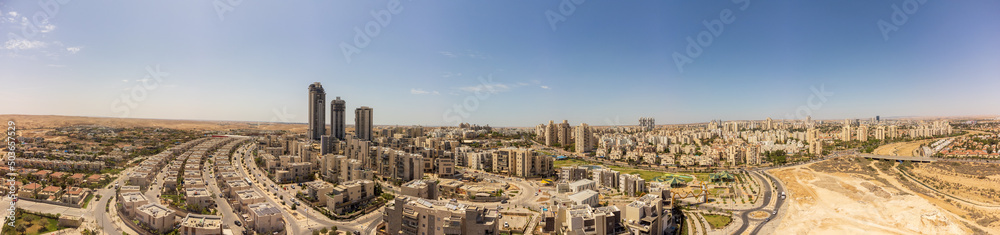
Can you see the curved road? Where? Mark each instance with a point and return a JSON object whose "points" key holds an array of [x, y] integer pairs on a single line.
{"points": [[767, 201]]}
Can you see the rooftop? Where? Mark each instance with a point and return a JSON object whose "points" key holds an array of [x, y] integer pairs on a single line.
{"points": [[192, 192], [133, 197], [156, 210], [202, 221], [263, 209], [583, 195]]}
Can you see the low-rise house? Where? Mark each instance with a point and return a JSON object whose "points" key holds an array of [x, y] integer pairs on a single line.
{"points": [[198, 197], [157, 217], [75, 195], [30, 190], [50, 193], [247, 197], [197, 224], [131, 201], [265, 218]]}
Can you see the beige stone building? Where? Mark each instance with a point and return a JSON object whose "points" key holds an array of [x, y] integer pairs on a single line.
{"points": [[158, 217], [417, 216], [198, 224]]}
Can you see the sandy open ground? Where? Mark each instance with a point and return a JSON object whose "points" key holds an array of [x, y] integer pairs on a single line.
{"points": [[858, 199], [37, 124]]}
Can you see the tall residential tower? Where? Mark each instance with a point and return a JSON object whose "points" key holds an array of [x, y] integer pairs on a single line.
{"points": [[363, 123], [337, 108], [317, 114]]}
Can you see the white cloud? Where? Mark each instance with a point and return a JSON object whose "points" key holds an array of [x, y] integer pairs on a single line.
{"points": [[450, 74], [124, 80], [546, 87], [23, 44], [73, 50], [416, 91], [46, 27], [492, 88], [448, 54], [499, 87]]}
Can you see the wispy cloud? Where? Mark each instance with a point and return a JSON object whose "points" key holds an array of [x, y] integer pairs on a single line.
{"points": [[73, 50], [416, 91], [546, 87], [467, 53], [23, 44], [450, 74], [495, 87], [448, 54], [500, 87], [56, 65]]}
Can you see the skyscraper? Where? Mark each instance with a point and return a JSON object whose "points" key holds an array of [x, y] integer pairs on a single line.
{"points": [[363, 123], [337, 108], [317, 114]]}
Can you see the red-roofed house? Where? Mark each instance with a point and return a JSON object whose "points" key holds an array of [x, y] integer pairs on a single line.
{"points": [[95, 178], [49, 193], [42, 174], [75, 195], [57, 177], [77, 178], [29, 191]]}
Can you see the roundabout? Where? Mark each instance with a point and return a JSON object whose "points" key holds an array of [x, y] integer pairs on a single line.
{"points": [[759, 215]]}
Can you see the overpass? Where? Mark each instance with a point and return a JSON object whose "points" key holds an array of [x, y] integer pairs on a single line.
{"points": [[898, 158]]}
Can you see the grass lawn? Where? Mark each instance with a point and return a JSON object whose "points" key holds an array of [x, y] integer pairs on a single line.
{"points": [[87, 200], [644, 174], [569, 162], [717, 221]]}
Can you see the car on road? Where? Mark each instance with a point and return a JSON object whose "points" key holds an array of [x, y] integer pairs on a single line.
{"points": [[237, 222]]}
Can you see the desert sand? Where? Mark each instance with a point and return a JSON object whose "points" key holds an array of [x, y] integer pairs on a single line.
{"points": [[35, 125], [854, 198]]}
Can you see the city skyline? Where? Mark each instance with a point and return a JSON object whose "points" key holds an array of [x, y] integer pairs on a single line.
{"points": [[602, 64]]}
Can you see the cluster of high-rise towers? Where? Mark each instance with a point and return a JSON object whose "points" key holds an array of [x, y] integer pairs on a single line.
{"points": [[317, 117]]}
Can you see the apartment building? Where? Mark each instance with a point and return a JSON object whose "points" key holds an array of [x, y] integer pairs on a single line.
{"points": [[417, 216]]}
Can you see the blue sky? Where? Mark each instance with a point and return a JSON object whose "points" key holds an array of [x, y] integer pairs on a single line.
{"points": [[604, 62]]}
